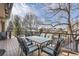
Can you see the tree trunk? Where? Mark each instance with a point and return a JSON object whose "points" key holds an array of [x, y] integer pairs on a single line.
{"points": [[69, 22]]}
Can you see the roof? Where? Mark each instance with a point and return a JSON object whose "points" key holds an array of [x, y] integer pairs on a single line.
{"points": [[45, 26]]}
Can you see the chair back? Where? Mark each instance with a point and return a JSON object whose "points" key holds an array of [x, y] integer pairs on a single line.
{"points": [[42, 34], [58, 47], [37, 34], [49, 36], [28, 34], [19, 40], [23, 45]]}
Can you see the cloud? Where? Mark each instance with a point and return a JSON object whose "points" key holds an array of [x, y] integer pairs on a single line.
{"points": [[20, 9]]}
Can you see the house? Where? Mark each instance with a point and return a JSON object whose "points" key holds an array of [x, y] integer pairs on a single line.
{"points": [[5, 10]]}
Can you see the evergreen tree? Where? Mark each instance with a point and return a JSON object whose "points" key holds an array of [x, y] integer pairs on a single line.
{"points": [[16, 26]]}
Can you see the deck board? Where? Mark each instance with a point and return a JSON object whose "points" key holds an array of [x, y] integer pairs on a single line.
{"points": [[10, 45]]}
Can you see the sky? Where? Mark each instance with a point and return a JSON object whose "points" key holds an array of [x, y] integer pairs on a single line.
{"points": [[40, 10]]}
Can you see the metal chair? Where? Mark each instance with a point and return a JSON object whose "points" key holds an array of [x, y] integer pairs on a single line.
{"points": [[49, 36], [42, 34], [28, 34], [25, 48], [29, 42], [53, 51], [37, 34]]}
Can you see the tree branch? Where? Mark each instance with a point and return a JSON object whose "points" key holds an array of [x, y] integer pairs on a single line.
{"points": [[61, 24]]}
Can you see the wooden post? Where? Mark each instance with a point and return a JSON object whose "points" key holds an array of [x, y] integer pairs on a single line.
{"points": [[59, 35], [2, 26]]}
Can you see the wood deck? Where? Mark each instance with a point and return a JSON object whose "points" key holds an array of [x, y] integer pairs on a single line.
{"points": [[10, 45], [12, 48]]}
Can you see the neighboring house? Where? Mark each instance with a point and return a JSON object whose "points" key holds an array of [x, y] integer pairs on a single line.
{"points": [[46, 27], [76, 27]]}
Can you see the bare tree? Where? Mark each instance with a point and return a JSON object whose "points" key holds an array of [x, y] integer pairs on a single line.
{"points": [[30, 20], [63, 10]]}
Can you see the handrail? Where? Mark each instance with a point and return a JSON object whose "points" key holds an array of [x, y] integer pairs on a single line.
{"points": [[58, 33]]}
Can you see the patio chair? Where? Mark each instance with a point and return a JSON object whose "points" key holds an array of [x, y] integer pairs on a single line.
{"points": [[49, 36], [42, 34], [37, 34], [25, 48], [50, 40], [2, 51], [53, 51], [28, 34], [45, 44], [29, 42]]}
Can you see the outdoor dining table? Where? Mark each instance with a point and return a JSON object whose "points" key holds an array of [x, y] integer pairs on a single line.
{"points": [[39, 40]]}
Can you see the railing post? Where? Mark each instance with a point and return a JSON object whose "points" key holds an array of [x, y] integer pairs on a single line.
{"points": [[59, 35], [76, 45]]}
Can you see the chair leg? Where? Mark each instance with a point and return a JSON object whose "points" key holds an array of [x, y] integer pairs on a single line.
{"points": [[18, 50], [21, 53]]}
